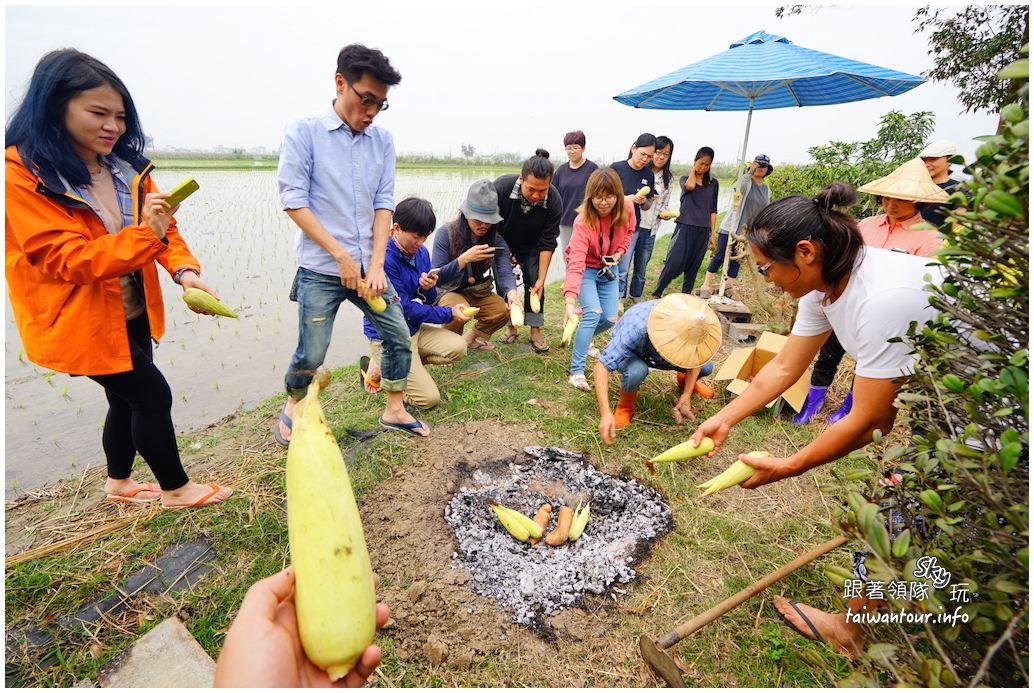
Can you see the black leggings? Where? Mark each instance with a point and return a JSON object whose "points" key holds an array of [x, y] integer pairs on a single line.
{"points": [[685, 255], [140, 415], [827, 363]]}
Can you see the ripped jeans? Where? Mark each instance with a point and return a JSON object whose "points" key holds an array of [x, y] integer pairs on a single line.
{"points": [[319, 296], [599, 300]]}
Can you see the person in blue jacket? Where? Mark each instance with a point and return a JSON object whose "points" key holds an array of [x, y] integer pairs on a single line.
{"points": [[408, 265]]}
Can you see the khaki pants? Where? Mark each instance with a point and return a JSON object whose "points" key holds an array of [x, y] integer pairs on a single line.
{"points": [[430, 345], [493, 316]]}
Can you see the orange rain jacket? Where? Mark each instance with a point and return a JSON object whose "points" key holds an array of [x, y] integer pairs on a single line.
{"points": [[63, 270]]}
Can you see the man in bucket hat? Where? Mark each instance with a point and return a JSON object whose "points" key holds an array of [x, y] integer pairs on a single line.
{"points": [[937, 158], [749, 196], [676, 333], [899, 228]]}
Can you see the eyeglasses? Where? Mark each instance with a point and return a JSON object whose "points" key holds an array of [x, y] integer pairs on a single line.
{"points": [[763, 269], [368, 101]]}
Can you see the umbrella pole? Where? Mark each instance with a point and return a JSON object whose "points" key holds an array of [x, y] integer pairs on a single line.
{"points": [[746, 135]]}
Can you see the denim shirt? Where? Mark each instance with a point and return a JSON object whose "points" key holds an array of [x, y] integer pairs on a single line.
{"points": [[342, 178]]}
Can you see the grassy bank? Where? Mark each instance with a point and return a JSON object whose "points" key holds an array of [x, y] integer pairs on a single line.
{"points": [[718, 546]]}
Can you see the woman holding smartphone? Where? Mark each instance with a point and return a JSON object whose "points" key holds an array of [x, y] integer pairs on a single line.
{"points": [[86, 227], [602, 232], [472, 258]]}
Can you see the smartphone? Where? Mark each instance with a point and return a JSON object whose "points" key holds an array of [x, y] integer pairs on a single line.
{"points": [[499, 251], [182, 192], [609, 260]]}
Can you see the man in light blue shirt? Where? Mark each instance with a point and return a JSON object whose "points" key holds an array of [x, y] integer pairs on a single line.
{"points": [[337, 183]]}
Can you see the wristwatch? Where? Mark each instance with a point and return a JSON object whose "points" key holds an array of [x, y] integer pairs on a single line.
{"points": [[179, 273]]}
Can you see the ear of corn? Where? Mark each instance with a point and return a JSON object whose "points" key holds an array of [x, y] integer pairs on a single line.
{"points": [[204, 301], [536, 303], [377, 304], [572, 325], [581, 519], [685, 451], [643, 191], [668, 214], [516, 315], [736, 474], [534, 531], [334, 594], [510, 523], [471, 312]]}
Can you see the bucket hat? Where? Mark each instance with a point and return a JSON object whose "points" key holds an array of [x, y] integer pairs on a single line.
{"points": [[482, 203], [909, 181], [763, 159], [938, 148], [684, 330]]}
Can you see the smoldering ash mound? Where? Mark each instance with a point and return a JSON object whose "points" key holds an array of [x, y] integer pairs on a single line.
{"points": [[535, 581]]}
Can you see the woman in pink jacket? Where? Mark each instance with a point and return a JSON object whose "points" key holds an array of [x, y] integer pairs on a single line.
{"points": [[601, 235]]}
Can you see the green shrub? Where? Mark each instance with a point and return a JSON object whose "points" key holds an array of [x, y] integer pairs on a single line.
{"points": [[898, 139], [965, 488]]}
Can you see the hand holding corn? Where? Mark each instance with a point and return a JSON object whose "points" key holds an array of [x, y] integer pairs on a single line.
{"points": [[769, 469], [262, 647]]}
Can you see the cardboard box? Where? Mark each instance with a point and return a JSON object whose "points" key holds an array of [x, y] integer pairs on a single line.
{"points": [[744, 363]]}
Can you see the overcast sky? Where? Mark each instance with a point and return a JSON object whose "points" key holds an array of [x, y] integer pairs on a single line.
{"points": [[505, 77]]}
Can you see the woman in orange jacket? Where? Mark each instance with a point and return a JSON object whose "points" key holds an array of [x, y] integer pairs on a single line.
{"points": [[85, 226]]}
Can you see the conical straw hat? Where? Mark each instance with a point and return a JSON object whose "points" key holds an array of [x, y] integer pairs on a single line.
{"points": [[684, 330], [909, 181]]}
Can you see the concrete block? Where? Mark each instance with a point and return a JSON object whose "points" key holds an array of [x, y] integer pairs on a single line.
{"points": [[167, 657]]}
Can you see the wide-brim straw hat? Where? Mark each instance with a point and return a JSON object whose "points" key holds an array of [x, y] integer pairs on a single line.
{"points": [[684, 330], [909, 181]]}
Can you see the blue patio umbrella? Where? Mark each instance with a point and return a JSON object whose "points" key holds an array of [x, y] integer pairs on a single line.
{"points": [[767, 71]]}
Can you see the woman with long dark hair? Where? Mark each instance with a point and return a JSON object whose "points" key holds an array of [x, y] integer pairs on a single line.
{"points": [[636, 173], [641, 249], [695, 227], [85, 228], [866, 297]]}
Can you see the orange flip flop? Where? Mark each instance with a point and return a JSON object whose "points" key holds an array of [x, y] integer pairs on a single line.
{"points": [[131, 496], [202, 501]]}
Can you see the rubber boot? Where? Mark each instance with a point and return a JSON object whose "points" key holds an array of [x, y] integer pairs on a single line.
{"points": [[625, 408], [843, 410], [680, 380], [812, 405]]}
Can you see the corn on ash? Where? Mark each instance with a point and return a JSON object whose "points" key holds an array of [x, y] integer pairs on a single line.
{"points": [[540, 580]]}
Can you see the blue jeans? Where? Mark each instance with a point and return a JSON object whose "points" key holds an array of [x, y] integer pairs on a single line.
{"points": [[634, 371], [623, 264], [598, 297], [319, 296], [641, 251]]}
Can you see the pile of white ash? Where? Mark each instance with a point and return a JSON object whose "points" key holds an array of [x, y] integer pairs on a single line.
{"points": [[533, 581]]}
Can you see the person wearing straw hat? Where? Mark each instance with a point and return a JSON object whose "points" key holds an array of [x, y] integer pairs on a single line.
{"points": [[676, 333], [937, 158], [899, 228]]}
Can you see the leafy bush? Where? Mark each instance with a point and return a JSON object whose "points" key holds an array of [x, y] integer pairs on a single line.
{"points": [[898, 139], [965, 488]]}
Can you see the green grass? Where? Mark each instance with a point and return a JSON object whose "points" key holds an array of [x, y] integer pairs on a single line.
{"points": [[719, 544]]}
